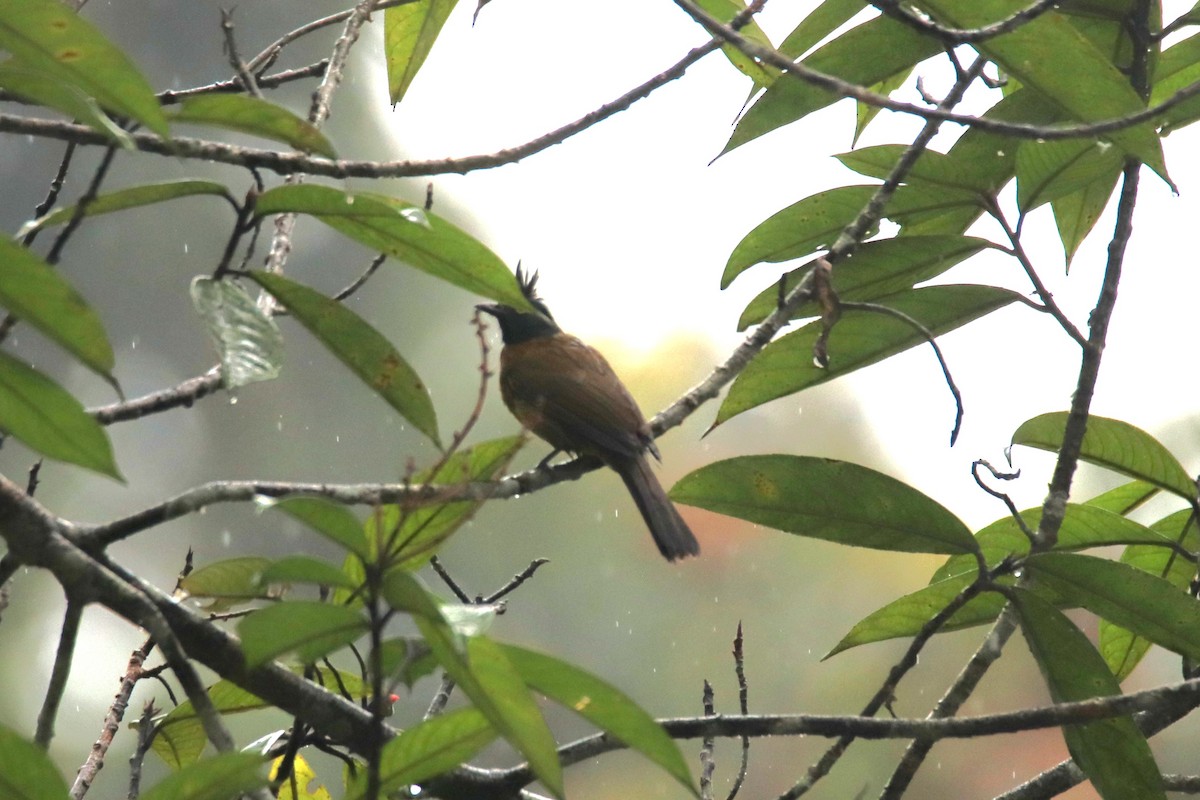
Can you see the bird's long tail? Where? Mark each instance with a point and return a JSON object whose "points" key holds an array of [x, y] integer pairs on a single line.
{"points": [[670, 532]]}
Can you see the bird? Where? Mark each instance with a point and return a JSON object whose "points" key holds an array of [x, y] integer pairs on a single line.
{"points": [[567, 393]]}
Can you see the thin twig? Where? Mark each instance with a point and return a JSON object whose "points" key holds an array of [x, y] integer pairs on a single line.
{"points": [[67, 639], [112, 722], [1001, 496], [739, 670], [954, 36], [707, 764], [937, 351], [235, 60]]}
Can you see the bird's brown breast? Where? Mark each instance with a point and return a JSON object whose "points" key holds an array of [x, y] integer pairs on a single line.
{"points": [[566, 392]]}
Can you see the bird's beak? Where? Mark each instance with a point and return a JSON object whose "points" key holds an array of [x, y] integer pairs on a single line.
{"points": [[489, 308]]}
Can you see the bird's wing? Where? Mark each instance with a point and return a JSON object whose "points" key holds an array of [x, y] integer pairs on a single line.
{"points": [[566, 392]]}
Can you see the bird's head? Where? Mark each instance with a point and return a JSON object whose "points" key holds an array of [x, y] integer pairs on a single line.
{"points": [[520, 326]]}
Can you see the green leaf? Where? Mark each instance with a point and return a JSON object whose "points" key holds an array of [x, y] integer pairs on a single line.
{"points": [[403, 231], [832, 500], [865, 112], [824, 20], [255, 116], [906, 616], [181, 739], [1076, 214], [309, 629], [1124, 498], [132, 197], [48, 419], [867, 54], [485, 675], [414, 536], [1115, 445], [305, 569], [1083, 527], [221, 777], [409, 32], [248, 341], [367, 353], [32, 290], [815, 222], [1113, 753], [1121, 648], [603, 705], [1145, 604], [725, 10], [1051, 170], [877, 269], [785, 366], [50, 37], [229, 582], [35, 86], [335, 522], [26, 771], [428, 749], [1178, 68], [521, 721], [1052, 56], [935, 170]]}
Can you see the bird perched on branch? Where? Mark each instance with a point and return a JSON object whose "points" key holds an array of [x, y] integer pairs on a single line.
{"points": [[565, 392]]}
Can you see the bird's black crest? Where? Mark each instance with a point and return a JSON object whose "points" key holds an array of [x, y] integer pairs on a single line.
{"points": [[528, 284]]}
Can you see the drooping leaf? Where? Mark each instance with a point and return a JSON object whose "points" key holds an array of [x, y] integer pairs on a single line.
{"points": [[1115, 445], [255, 116], [404, 231], [1077, 213], [866, 55], [367, 353], [50, 37], [35, 86], [26, 770], [223, 776], [763, 75], [308, 629], [1113, 753], [427, 749], [932, 169], [602, 705], [409, 32], [248, 341], [877, 268], [485, 675], [785, 366], [1122, 648], [32, 290], [44, 416], [1145, 604], [825, 499], [814, 223], [333, 521], [1051, 55], [867, 112]]}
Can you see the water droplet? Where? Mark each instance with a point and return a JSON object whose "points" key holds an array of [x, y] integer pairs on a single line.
{"points": [[233, 399], [185, 248]]}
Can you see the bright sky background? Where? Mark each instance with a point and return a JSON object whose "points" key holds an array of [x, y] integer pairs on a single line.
{"points": [[630, 227]]}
